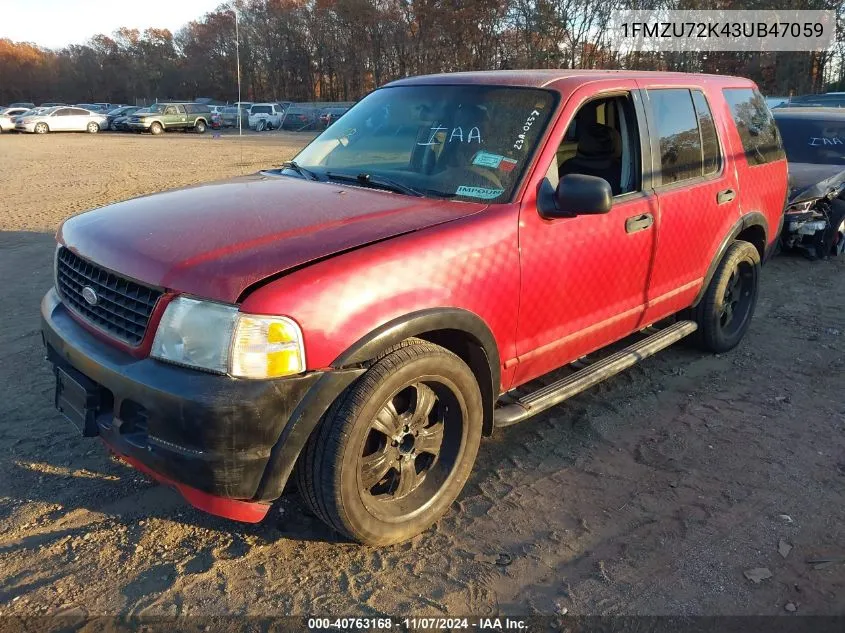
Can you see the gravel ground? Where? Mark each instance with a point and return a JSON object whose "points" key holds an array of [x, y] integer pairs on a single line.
{"points": [[650, 494]]}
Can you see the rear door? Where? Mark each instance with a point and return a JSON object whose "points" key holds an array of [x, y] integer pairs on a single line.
{"points": [[696, 188], [78, 120], [61, 120]]}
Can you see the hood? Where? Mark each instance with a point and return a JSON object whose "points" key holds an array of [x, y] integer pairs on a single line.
{"points": [[808, 181], [216, 240]]}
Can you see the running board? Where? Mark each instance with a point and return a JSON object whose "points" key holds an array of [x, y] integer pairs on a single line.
{"points": [[542, 399]]}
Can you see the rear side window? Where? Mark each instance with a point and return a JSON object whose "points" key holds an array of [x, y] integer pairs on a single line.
{"points": [[757, 130], [709, 141], [678, 134]]}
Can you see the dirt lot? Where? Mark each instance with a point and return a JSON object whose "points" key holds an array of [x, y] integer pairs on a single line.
{"points": [[651, 494]]}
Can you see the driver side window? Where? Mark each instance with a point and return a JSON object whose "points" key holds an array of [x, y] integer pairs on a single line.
{"points": [[602, 140]]}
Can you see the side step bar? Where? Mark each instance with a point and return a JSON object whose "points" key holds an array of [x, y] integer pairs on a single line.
{"points": [[542, 399]]}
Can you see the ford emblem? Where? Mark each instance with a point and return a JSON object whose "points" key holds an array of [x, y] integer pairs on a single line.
{"points": [[89, 295]]}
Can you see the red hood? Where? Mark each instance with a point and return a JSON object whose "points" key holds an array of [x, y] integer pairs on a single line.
{"points": [[216, 240]]}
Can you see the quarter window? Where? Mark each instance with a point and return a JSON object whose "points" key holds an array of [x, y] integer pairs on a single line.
{"points": [[757, 130]]}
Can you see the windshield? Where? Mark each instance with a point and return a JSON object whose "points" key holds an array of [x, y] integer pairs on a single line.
{"points": [[467, 142], [262, 109], [813, 140]]}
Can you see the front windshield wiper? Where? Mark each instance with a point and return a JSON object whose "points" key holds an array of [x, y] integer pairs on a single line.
{"points": [[299, 169], [376, 182]]}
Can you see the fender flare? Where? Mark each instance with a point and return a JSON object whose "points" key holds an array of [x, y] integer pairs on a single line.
{"points": [[755, 218], [352, 363], [419, 323]]}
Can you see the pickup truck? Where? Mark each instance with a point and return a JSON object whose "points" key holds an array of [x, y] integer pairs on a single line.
{"points": [[360, 318], [161, 117]]}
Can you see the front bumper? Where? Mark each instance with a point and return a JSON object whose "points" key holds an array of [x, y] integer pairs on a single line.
{"points": [[224, 443], [138, 125], [28, 127]]}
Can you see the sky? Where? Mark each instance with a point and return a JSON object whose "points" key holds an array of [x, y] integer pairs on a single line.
{"points": [[57, 23]]}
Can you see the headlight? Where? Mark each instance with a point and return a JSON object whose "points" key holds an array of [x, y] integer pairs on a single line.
{"points": [[217, 338]]}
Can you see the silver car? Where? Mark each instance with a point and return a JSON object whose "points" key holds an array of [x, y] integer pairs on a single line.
{"points": [[62, 119], [7, 117]]}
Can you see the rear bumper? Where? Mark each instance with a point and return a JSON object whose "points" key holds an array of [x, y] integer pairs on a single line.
{"points": [[224, 443]]}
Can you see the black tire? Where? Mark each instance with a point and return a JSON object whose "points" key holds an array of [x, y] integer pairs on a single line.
{"points": [[199, 127], [156, 128], [41, 128], [417, 396], [724, 313]]}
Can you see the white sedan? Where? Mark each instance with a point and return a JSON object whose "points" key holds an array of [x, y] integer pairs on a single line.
{"points": [[7, 118], [62, 119]]}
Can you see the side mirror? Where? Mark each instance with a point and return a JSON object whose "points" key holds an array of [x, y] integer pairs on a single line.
{"points": [[576, 194]]}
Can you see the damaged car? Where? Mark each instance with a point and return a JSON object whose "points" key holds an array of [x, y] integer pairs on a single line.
{"points": [[814, 219]]}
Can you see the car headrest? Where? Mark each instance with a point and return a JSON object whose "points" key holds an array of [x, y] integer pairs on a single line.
{"points": [[599, 141]]}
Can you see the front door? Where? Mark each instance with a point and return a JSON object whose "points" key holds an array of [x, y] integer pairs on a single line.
{"points": [[584, 279]]}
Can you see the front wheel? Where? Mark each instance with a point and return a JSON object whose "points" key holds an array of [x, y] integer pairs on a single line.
{"points": [[724, 313], [156, 128], [41, 128], [93, 128], [395, 449]]}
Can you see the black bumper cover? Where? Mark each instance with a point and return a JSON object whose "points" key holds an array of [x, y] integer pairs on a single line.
{"points": [[228, 437]]}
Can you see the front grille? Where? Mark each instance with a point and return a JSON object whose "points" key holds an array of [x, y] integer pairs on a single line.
{"points": [[123, 307]]}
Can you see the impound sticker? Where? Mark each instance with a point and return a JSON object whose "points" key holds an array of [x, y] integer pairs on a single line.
{"points": [[479, 192]]}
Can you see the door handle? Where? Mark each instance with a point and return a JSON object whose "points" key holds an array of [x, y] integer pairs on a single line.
{"points": [[725, 196], [639, 222]]}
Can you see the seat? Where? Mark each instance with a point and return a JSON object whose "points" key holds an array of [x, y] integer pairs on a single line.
{"points": [[599, 154]]}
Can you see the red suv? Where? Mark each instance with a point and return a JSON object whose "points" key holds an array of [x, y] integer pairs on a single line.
{"points": [[362, 316]]}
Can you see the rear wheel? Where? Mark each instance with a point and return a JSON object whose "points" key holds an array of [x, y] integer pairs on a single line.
{"points": [[156, 128], [724, 313], [395, 450], [199, 127], [41, 128], [93, 127]]}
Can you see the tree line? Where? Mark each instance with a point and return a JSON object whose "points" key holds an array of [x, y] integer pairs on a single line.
{"points": [[328, 50]]}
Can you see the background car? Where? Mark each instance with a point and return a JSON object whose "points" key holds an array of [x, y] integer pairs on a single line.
{"points": [[119, 114], [814, 141], [827, 100], [7, 118], [51, 104], [101, 108], [265, 116], [22, 104], [330, 115], [61, 119], [230, 116], [163, 116], [299, 118]]}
